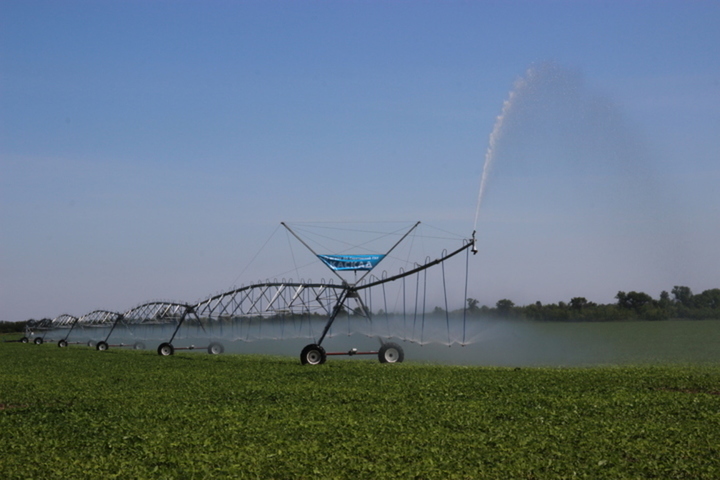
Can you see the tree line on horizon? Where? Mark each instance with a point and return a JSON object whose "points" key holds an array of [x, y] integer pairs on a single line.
{"points": [[683, 304]]}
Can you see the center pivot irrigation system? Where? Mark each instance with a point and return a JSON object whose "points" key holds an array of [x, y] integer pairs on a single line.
{"points": [[389, 352], [245, 311]]}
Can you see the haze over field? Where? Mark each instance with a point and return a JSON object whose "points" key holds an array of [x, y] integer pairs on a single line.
{"points": [[148, 149]]}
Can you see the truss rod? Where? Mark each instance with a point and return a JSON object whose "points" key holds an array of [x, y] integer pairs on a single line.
{"points": [[391, 249], [309, 248], [418, 269]]}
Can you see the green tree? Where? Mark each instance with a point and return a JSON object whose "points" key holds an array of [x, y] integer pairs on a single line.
{"points": [[12, 327], [633, 300], [683, 295], [664, 299], [578, 303], [472, 305], [504, 306], [708, 299], [622, 300]]}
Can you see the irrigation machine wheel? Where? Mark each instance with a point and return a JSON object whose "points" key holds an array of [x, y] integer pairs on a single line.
{"points": [[391, 353], [215, 348], [38, 341], [101, 346], [165, 349], [313, 355], [24, 340], [90, 343], [139, 346], [62, 343]]}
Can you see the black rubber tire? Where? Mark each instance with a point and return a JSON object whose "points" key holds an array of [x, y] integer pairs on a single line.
{"points": [[90, 343], [139, 346], [215, 348], [62, 343], [101, 346], [165, 349], [391, 353], [24, 340], [313, 355], [38, 341]]}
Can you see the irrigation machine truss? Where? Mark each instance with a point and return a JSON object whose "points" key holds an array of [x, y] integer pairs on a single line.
{"points": [[252, 303]]}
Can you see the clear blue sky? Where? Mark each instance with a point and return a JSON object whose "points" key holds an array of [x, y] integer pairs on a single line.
{"points": [[148, 148]]}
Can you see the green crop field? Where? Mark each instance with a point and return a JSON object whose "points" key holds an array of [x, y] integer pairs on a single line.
{"points": [[79, 413]]}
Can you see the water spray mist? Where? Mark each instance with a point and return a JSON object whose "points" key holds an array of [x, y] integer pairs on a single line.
{"points": [[520, 88]]}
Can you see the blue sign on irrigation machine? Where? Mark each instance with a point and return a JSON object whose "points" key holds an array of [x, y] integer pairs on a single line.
{"points": [[351, 262]]}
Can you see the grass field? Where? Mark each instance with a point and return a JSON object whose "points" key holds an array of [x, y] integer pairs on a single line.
{"points": [[79, 413]]}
